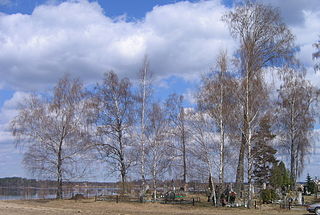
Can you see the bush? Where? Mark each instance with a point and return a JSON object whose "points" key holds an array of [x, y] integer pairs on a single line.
{"points": [[268, 195]]}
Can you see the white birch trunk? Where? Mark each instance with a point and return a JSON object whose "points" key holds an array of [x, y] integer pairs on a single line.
{"points": [[154, 175], [250, 167], [213, 191], [143, 128], [248, 133], [221, 166]]}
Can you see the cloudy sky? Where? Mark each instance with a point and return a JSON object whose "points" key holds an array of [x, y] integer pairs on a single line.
{"points": [[40, 40]]}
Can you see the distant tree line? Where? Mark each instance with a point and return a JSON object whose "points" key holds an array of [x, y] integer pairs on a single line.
{"points": [[237, 126], [18, 182]]}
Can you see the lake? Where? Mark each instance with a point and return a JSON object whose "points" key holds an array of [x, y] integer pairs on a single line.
{"points": [[25, 193]]}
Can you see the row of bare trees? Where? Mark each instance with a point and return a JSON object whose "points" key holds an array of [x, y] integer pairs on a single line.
{"points": [[141, 138]]}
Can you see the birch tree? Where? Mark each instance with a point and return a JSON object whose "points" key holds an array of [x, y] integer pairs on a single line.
{"points": [[143, 103], [264, 41], [218, 98], [160, 154], [55, 133], [296, 117], [114, 120], [204, 148], [179, 130]]}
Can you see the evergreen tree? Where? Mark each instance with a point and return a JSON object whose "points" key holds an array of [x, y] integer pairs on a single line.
{"points": [[310, 185], [280, 176], [263, 153]]}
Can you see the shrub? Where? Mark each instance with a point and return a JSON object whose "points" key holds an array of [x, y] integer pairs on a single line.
{"points": [[268, 195]]}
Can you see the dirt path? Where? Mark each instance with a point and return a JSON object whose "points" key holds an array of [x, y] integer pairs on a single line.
{"points": [[71, 207]]}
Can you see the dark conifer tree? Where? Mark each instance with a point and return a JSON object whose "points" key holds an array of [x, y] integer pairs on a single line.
{"points": [[263, 153]]}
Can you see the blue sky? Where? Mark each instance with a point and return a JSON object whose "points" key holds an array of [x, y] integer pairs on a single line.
{"points": [[113, 8], [40, 40]]}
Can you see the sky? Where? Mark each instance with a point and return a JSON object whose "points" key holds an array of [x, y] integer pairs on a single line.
{"points": [[41, 40]]}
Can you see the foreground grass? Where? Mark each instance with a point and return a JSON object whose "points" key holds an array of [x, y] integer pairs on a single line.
{"points": [[71, 207]]}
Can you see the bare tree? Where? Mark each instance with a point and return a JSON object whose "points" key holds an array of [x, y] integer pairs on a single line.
{"points": [[114, 119], [296, 117], [143, 102], [160, 154], [316, 55], [55, 132], [218, 98], [264, 40], [204, 147], [178, 121]]}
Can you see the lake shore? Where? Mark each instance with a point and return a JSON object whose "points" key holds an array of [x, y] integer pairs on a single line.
{"points": [[89, 206]]}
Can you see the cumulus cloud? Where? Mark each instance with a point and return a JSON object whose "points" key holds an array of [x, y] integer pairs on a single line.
{"points": [[180, 39], [7, 112], [304, 21], [9, 155], [293, 11], [306, 35]]}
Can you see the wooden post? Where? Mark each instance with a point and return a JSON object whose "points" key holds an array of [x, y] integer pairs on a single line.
{"points": [[117, 199], [192, 201], [289, 205], [255, 204]]}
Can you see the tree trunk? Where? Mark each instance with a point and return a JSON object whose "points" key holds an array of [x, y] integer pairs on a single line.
{"points": [[184, 150], [143, 188], [59, 172], [240, 167], [245, 135], [250, 169], [154, 174], [213, 197], [123, 168], [292, 165], [123, 175], [154, 191], [221, 167], [184, 161], [143, 127]]}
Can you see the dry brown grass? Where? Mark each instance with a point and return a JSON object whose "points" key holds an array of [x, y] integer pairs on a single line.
{"points": [[71, 207]]}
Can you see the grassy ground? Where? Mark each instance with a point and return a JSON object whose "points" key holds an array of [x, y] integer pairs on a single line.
{"points": [[71, 207]]}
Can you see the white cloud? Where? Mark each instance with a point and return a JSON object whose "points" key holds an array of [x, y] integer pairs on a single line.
{"points": [[307, 34], [189, 96], [7, 112], [9, 108], [292, 11], [9, 155], [180, 39]]}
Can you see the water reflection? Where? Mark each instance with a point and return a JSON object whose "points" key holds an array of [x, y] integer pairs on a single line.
{"points": [[25, 193]]}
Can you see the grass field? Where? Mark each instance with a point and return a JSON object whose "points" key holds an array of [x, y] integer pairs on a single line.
{"points": [[71, 207]]}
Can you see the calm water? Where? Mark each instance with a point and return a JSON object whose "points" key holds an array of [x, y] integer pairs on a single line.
{"points": [[23, 193]]}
